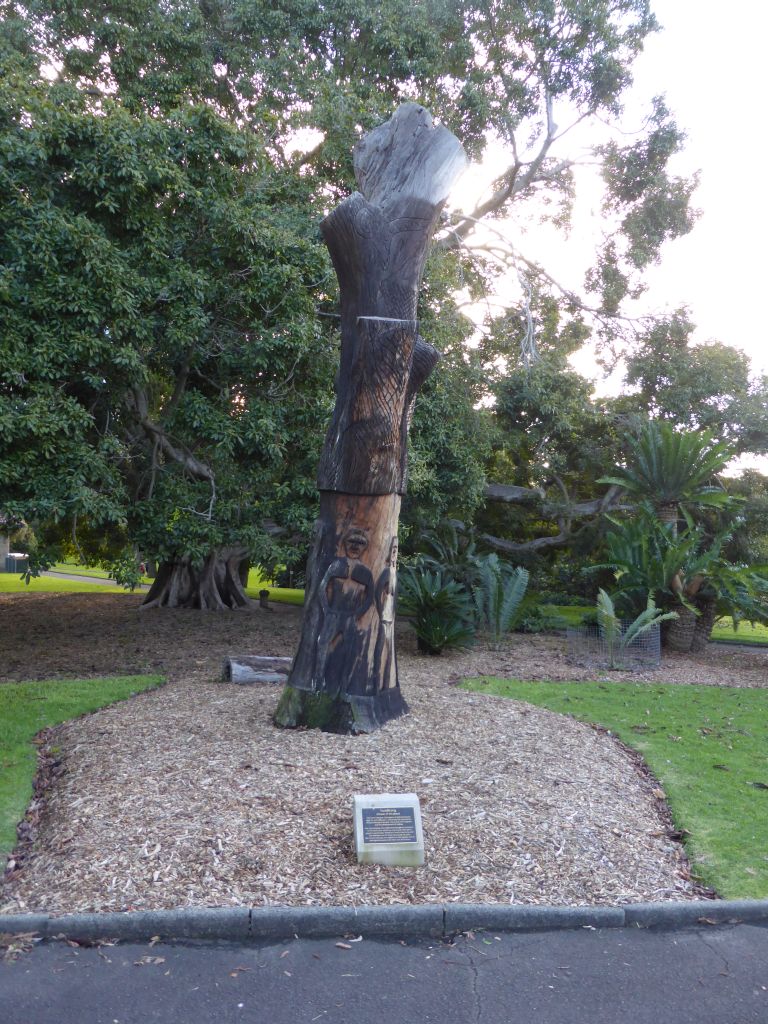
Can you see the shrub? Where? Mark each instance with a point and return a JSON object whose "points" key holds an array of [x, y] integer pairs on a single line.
{"points": [[534, 620], [440, 609]]}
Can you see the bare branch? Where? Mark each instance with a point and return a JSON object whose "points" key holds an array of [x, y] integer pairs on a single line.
{"points": [[185, 458], [526, 547], [509, 184], [508, 255], [514, 495]]}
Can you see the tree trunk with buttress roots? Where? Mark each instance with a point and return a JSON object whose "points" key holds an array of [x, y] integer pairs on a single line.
{"points": [[216, 585], [344, 675]]}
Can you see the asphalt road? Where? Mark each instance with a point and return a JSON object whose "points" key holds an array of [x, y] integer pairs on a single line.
{"points": [[703, 975]]}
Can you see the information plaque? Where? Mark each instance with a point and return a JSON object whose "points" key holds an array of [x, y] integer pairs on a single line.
{"points": [[389, 825], [388, 829]]}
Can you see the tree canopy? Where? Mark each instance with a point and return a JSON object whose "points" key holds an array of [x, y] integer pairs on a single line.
{"points": [[168, 312], [162, 360], [707, 386]]}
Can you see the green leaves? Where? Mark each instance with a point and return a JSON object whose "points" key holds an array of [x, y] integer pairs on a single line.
{"points": [[440, 608], [449, 578], [146, 278], [618, 636], [707, 386], [497, 593], [669, 467], [650, 561]]}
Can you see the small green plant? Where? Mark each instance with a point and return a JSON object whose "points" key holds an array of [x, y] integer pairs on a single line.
{"points": [[441, 610], [497, 595], [536, 618], [450, 552], [619, 638]]}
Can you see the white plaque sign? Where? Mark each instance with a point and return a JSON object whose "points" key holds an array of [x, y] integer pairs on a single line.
{"points": [[388, 829]]}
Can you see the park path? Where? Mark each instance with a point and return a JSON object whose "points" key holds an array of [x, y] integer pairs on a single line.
{"points": [[702, 975], [89, 579]]}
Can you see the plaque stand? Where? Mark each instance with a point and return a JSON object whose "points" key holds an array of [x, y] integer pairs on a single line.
{"points": [[388, 829]]}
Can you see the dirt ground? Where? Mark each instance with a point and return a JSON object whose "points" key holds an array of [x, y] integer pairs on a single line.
{"points": [[188, 795], [60, 636]]}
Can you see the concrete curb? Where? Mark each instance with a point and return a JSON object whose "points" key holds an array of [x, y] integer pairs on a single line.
{"points": [[429, 920]]}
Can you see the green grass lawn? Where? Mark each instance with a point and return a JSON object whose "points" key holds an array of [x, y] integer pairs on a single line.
{"points": [[256, 582], [573, 614], [74, 569], [10, 583], [708, 747], [283, 595], [744, 634], [25, 709]]}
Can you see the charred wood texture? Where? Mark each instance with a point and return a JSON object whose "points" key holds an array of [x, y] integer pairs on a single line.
{"points": [[344, 675]]}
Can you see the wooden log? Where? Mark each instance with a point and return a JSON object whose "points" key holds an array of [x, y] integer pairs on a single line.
{"points": [[255, 668], [344, 676]]}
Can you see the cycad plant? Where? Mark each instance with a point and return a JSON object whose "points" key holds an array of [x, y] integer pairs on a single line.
{"points": [[617, 638], [451, 590], [672, 469], [497, 594], [685, 573], [450, 552], [440, 610]]}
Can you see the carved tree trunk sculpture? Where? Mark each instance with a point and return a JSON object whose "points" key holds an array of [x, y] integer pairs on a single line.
{"points": [[344, 676]]}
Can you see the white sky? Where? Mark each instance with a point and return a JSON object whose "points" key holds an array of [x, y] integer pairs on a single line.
{"points": [[709, 60]]}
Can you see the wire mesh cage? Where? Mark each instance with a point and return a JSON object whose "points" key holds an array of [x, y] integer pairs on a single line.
{"points": [[593, 646]]}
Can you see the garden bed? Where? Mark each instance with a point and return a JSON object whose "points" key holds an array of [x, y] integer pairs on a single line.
{"points": [[189, 795]]}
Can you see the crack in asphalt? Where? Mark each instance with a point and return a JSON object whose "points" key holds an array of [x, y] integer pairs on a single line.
{"points": [[475, 985], [721, 956]]}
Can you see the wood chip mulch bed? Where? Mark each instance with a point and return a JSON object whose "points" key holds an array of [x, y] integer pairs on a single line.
{"points": [[188, 796]]}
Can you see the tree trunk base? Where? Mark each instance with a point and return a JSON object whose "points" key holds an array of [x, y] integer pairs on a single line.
{"points": [[216, 585], [680, 635], [345, 713], [704, 624]]}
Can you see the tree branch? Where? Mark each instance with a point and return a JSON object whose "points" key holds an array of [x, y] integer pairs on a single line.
{"points": [[161, 442], [513, 494], [508, 184], [526, 547], [508, 255]]}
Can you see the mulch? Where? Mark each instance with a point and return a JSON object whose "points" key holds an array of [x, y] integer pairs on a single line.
{"points": [[188, 795]]}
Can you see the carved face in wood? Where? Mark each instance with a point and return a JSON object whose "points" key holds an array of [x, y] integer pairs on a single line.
{"points": [[355, 542], [393, 553]]}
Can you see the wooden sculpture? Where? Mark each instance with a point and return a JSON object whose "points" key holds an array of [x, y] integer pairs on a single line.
{"points": [[344, 676]]}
